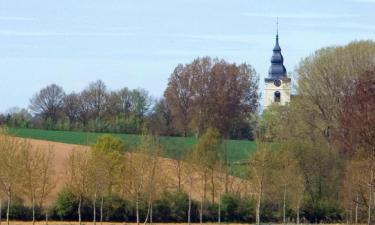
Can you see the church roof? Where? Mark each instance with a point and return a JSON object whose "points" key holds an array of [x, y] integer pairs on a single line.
{"points": [[277, 69]]}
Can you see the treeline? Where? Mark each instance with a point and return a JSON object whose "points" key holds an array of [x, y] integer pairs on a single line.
{"points": [[330, 128], [205, 93]]}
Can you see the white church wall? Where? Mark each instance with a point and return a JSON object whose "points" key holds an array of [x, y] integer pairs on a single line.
{"points": [[270, 89]]}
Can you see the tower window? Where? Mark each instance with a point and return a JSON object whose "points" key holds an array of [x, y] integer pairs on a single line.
{"points": [[277, 96]]}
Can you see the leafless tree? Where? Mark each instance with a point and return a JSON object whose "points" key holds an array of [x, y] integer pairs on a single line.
{"points": [[48, 102]]}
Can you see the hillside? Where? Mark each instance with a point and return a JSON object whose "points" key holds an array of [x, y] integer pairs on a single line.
{"points": [[63, 150], [233, 150]]}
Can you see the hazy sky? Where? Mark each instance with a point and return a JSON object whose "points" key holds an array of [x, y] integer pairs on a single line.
{"points": [[138, 43]]}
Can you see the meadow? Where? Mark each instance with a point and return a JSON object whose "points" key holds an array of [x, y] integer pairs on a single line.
{"points": [[234, 151]]}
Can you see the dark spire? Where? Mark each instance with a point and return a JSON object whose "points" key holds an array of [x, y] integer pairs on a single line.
{"points": [[277, 69]]}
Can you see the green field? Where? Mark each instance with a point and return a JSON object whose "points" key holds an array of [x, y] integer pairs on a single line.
{"points": [[235, 150]]}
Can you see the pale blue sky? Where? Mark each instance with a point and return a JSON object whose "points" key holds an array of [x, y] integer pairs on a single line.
{"points": [[138, 43]]}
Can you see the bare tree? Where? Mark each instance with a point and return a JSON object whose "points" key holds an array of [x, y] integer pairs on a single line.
{"points": [[72, 107], [96, 96], [48, 102]]}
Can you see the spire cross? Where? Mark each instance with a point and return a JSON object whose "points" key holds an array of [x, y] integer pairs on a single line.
{"points": [[277, 26]]}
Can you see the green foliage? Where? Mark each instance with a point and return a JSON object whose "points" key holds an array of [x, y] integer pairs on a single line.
{"points": [[116, 209], [206, 152], [237, 209], [323, 211], [235, 150], [172, 207], [20, 211], [65, 206], [108, 143]]}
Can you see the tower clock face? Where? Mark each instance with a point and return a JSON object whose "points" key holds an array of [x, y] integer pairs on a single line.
{"points": [[277, 83]]}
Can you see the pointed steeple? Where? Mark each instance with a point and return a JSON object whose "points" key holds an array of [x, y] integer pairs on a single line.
{"points": [[277, 69]]}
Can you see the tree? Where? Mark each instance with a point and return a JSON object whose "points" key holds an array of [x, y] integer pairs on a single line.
{"points": [[145, 176], [10, 150], [327, 77], [260, 173], [206, 152], [151, 149], [355, 136], [95, 98], [179, 94], [213, 93], [78, 176], [72, 108], [48, 102], [161, 119], [104, 172], [37, 175], [321, 166], [288, 178], [204, 158]]}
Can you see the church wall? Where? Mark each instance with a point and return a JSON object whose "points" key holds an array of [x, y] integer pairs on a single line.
{"points": [[270, 88]]}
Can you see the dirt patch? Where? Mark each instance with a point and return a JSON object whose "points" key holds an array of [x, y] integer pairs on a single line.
{"points": [[169, 167]]}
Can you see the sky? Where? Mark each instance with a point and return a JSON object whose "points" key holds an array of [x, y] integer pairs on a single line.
{"points": [[138, 43]]}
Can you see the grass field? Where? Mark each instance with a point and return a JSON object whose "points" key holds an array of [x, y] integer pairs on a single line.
{"points": [[235, 150]]}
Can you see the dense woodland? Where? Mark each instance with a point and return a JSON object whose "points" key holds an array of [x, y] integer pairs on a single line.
{"points": [[315, 158]]}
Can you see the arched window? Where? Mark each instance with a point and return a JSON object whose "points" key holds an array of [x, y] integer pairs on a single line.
{"points": [[277, 96]]}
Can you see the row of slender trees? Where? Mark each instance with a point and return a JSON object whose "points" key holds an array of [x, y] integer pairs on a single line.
{"points": [[140, 176], [108, 169], [25, 171]]}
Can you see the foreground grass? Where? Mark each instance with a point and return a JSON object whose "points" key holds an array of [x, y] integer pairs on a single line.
{"points": [[175, 147]]}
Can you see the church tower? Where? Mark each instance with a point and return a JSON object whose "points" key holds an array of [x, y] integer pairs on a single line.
{"points": [[277, 84]]}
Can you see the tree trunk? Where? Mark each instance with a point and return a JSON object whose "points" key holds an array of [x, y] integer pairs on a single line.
{"points": [[151, 213], [189, 209], [258, 208], [213, 186], [46, 217], [101, 210], [219, 212], [370, 198], [356, 209], [137, 209], [8, 208], [94, 210], [205, 185], [148, 212], [201, 213], [33, 208], [179, 173], [284, 205], [298, 209], [79, 210], [1, 205]]}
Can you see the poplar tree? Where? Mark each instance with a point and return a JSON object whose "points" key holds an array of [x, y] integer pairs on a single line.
{"points": [[78, 168], [37, 175]]}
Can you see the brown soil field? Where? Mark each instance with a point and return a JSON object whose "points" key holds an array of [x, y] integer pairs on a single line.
{"points": [[168, 166], [109, 223]]}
